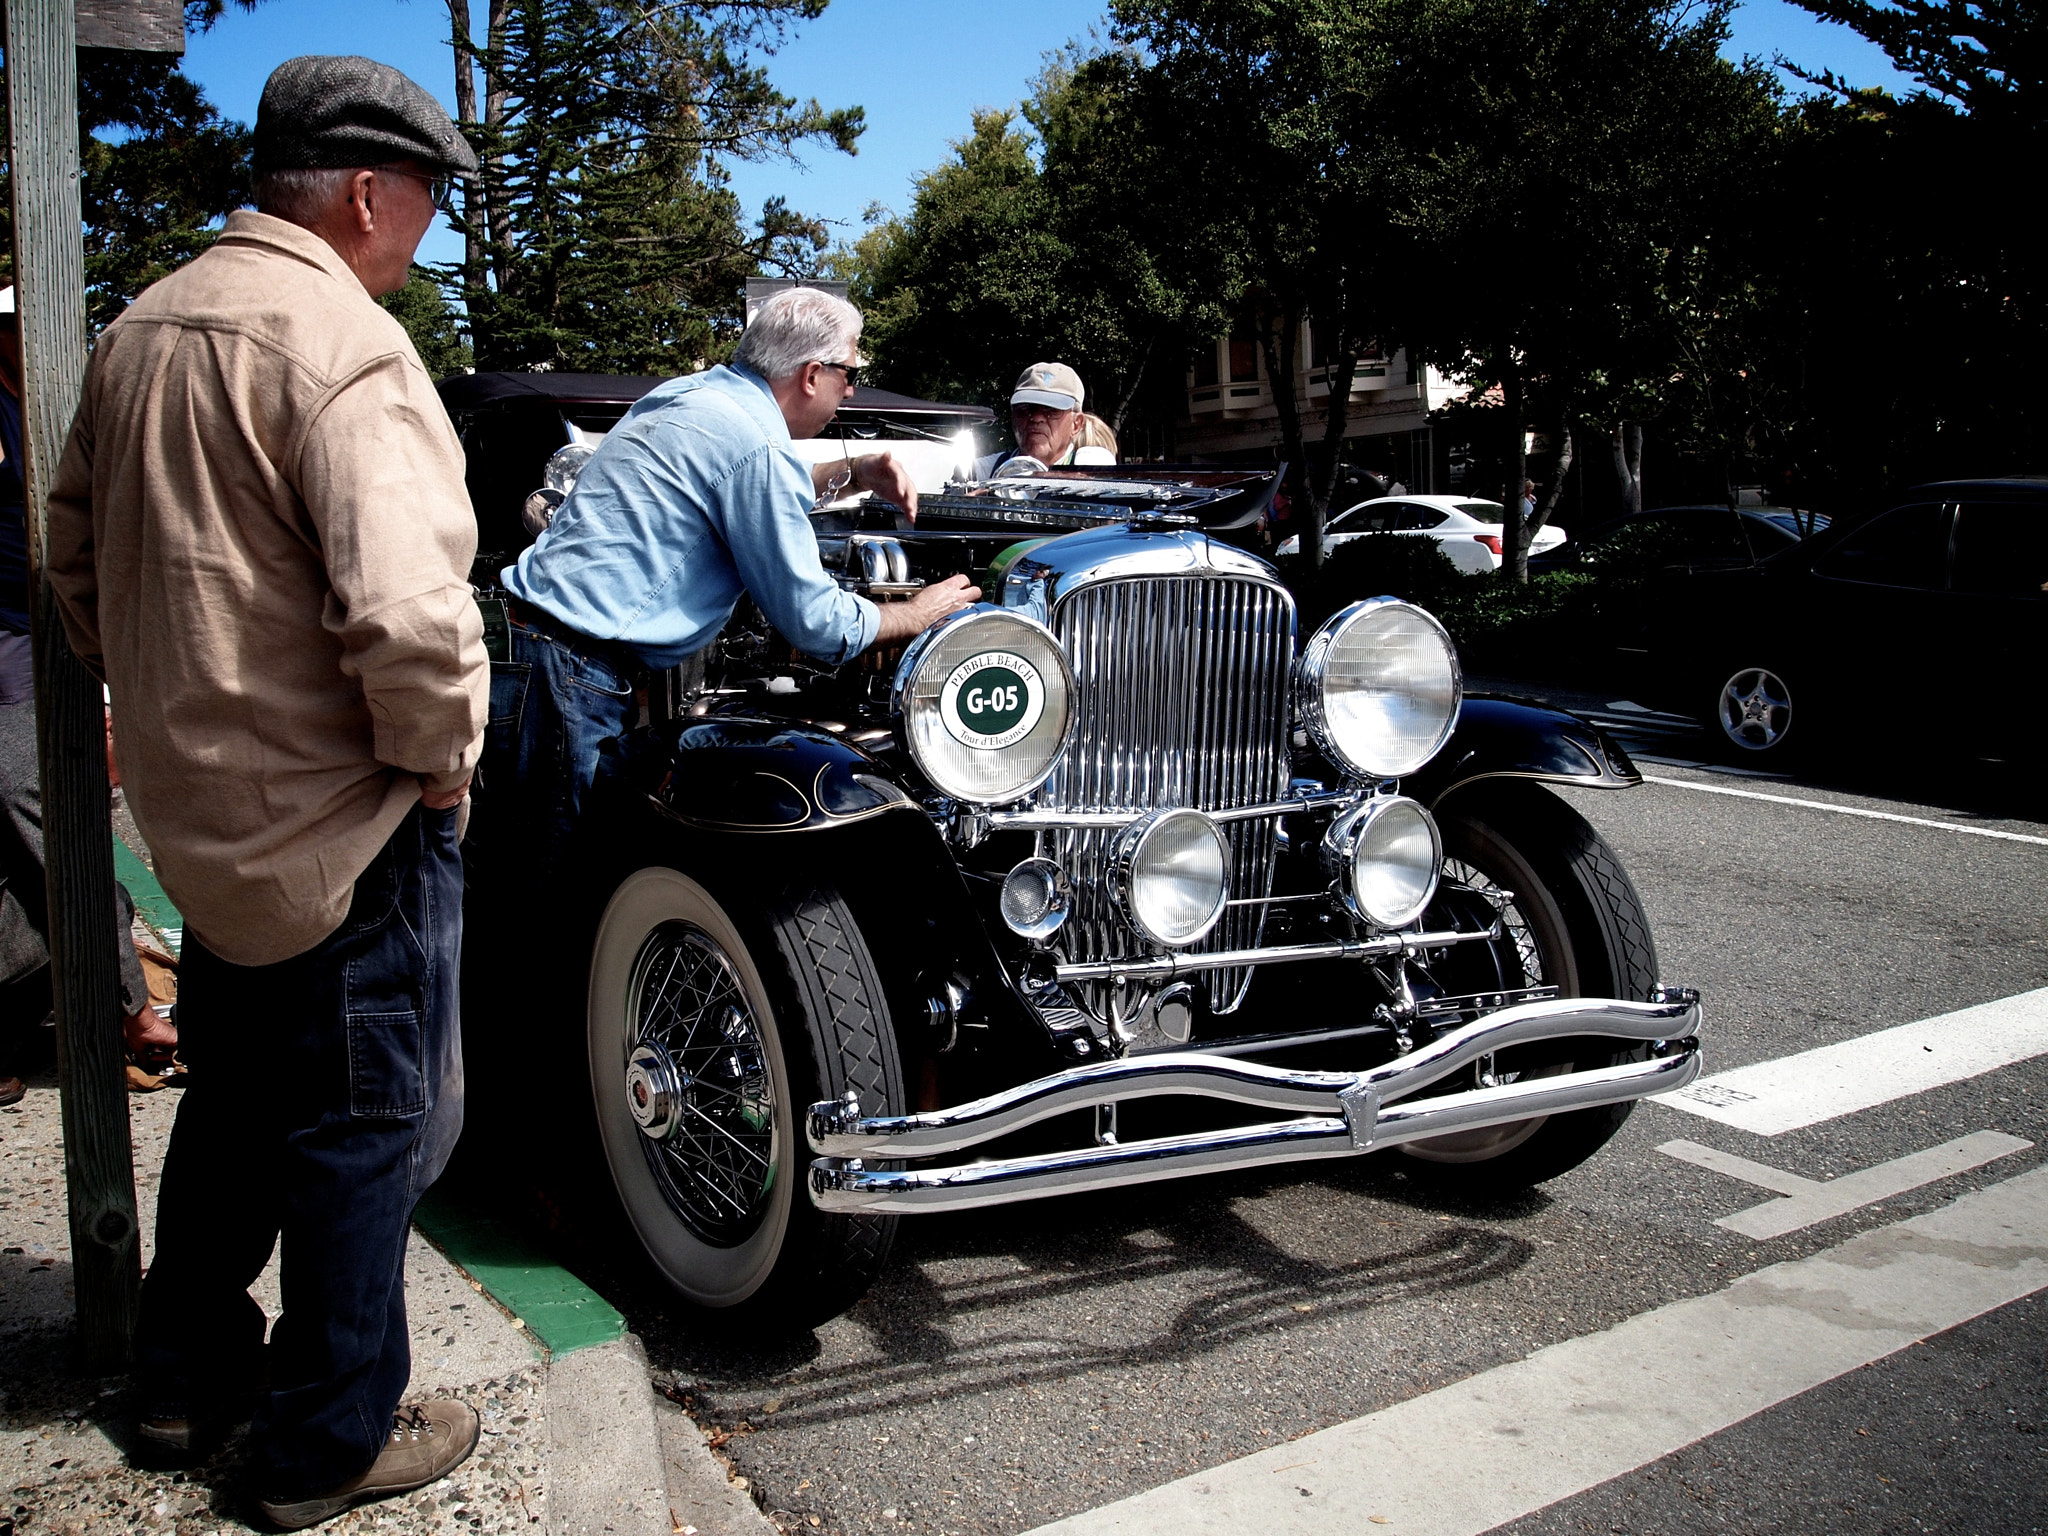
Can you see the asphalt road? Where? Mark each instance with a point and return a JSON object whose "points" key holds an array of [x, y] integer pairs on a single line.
{"points": [[1018, 1366]]}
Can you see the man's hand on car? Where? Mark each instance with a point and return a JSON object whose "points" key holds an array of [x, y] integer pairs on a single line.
{"points": [[940, 600], [887, 476]]}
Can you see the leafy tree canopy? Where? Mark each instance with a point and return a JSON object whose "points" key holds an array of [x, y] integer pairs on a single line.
{"points": [[608, 238]]}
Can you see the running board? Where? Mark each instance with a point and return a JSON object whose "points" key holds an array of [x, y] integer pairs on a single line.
{"points": [[1337, 1114]]}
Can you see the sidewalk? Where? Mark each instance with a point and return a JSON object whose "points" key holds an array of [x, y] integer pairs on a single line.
{"points": [[575, 1439]]}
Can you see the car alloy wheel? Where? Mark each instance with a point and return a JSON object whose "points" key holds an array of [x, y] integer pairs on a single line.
{"points": [[1755, 709]]}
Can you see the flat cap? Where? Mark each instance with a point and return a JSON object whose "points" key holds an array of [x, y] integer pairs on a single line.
{"points": [[336, 111]]}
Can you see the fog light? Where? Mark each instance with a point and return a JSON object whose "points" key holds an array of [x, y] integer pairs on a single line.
{"points": [[1386, 856], [1171, 874], [1034, 901]]}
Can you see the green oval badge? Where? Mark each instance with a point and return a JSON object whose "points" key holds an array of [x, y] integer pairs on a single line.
{"points": [[992, 700]]}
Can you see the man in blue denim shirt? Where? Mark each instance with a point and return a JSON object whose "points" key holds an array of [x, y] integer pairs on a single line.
{"points": [[693, 498]]}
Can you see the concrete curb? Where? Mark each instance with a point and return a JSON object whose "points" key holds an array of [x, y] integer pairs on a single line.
{"points": [[701, 1495], [604, 1454]]}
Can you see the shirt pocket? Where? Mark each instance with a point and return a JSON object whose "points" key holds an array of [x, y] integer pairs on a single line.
{"points": [[385, 1077]]}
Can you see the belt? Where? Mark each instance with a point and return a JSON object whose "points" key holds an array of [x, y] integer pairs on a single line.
{"points": [[614, 654]]}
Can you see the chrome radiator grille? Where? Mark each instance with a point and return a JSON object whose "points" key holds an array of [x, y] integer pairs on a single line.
{"points": [[1182, 693]]}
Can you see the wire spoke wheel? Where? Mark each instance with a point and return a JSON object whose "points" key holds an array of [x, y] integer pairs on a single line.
{"points": [[715, 1020], [716, 1160]]}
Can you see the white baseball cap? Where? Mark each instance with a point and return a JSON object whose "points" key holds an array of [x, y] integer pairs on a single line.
{"points": [[1053, 384]]}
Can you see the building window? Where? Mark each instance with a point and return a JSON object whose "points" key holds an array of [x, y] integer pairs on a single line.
{"points": [[1205, 367], [1244, 359]]}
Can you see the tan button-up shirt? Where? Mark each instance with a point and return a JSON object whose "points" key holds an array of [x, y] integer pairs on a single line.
{"points": [[259, 536]]}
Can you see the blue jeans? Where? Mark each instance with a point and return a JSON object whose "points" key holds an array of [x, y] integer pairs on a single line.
{"points": [[326, 1096], [554, 707]]}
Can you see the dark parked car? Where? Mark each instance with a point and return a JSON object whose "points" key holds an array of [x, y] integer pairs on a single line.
{"points": [[1112, 878], [1688, 539], [1922, 629]]}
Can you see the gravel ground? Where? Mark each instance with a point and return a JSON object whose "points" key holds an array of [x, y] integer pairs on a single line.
{"points": [[61, 1435]]}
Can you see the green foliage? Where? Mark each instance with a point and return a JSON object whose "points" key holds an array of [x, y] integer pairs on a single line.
{"points": [[1032, 242], [420, 307], [1984, 55], [612, 241], [159, 169], [1375, 565]]}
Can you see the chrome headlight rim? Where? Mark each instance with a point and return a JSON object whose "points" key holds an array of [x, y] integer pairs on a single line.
{"points": [[1311, 676], [1125, 853], [989, 621], [1343, 846]]}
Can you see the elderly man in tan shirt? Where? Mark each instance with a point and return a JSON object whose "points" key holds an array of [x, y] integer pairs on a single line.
{"points": [[260, 537]]}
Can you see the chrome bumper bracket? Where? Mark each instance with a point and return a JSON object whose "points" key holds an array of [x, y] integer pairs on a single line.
{"points": [[1333, 1114]]}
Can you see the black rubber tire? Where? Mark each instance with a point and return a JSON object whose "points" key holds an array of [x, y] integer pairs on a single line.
{"points": [[1589, 929], [824, 1028]]}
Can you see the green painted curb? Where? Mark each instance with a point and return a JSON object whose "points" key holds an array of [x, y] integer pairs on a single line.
{"points": [[151, 904], [560, 1311]]}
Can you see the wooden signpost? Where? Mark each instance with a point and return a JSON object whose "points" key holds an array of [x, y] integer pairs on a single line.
{"points": [[49, 266]]}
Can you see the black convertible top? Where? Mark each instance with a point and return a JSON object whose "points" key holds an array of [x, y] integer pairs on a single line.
{"points": [[469, 391]]}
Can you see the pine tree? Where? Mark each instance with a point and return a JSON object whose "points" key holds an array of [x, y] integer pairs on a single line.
{"points": [[607, 235]]}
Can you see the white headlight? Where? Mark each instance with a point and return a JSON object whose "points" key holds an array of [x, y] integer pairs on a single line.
{"points": [[1386, 856], [987, 704], [1171, 874], [1378, 687]]}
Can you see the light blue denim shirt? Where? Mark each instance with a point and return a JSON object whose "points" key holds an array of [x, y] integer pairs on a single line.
{"points": [[695, 496]]}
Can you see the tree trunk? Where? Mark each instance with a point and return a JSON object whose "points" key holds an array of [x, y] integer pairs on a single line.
{"points": [[1322, 480], [1625, 439], [1540, 519], [1279, 346], [495, 233], [1514, 531], [472, 186], [1123, 406]]}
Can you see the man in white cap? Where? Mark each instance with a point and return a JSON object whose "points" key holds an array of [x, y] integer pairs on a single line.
{"points": [[1045, 419]]}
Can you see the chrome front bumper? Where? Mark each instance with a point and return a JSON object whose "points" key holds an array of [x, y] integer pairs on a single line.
{"points": [[1334, 1114]]}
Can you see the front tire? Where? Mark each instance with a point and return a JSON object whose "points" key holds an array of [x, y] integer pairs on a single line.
{"points": [[1572, 920], [712, 1028]]}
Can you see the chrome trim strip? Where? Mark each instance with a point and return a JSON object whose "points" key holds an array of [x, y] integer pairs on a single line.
{"points": [[835, 1128], [1188, 963], [847, 1186], [1037, 819]]}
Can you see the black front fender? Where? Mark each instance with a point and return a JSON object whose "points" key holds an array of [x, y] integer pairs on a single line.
{"points": [[726, 774], [1499, 739]]}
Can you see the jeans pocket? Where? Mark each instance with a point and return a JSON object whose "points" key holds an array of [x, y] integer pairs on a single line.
{"points": [[386, 1078], [509, 681], [376, 897], [598, 678]]}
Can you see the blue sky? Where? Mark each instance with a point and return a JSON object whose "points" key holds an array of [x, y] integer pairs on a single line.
{"points": [[919, 67]]}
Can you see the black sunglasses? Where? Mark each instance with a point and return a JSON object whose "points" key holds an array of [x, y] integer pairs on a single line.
{"points": [[440, 185], [851, 370]]}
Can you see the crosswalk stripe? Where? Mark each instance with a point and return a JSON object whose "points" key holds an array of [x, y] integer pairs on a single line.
{"points": [[1513, 1440], [1773, 1097]]}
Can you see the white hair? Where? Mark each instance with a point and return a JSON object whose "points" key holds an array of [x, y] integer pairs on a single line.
{"points": [[795, 326], [301, 195]]}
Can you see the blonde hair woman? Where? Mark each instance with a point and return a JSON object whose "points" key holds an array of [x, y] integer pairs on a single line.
{"points": [[1096, 433]]}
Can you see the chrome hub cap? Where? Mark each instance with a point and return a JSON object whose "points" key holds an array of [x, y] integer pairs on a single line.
{"points": [[655, 1092], [1756, 709]]}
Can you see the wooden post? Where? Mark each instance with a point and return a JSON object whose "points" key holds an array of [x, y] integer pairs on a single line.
{"points": [[49, 267]]}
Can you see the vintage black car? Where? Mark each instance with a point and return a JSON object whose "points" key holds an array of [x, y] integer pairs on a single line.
{"points": [[1115, 877]]}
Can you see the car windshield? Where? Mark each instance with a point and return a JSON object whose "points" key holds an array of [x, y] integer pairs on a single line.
{"points": [[1790, 522]]}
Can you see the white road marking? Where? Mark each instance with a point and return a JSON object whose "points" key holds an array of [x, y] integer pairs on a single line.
{"points": [[1513, 1440], [1773, 1097], [1849, 810], [1814, 1200]]}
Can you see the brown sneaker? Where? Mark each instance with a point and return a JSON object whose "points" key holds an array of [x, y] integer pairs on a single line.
{"points": [[428, 1441]]}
